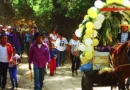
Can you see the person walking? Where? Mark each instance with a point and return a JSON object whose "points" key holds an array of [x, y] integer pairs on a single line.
{"points": [[53, 56], [74, 54], [52, 39], [45, 38], [5, 56], [27, 40], [16, 41], [61, 46], [39, 55], [14, 62]]}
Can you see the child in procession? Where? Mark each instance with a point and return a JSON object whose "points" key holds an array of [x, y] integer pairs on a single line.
{"points": [[14, 62], [53, 56]]}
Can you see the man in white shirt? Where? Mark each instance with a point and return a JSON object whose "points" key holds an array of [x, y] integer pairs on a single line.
{"points": [[61, 46], [5, 56]]}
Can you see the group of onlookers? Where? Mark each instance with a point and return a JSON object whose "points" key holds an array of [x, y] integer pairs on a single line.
{"points": [[41, 49]]}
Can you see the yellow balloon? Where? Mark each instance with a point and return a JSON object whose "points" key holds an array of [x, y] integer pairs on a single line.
{"points": [[86, 17], [95, 42], [104, 4], [87, 35], [81, 26], [115, 1], [92, 12], [89, 55], [119, 1], [89, 31], [89, 25], [84, 60], [110, 1]]}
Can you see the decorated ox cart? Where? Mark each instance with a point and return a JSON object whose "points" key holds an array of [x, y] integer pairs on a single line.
{"points": [[100, 28]]}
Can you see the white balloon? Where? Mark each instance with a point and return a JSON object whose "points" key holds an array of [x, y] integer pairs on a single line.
{"points": [[126, 2], [89, 49], [78, 33], [88, 41], [100, 18], [95, 33], [98, 4], [82, 47], [97, 25]]}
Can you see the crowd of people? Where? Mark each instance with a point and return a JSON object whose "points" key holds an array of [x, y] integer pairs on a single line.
{"points": [[43, 50]]}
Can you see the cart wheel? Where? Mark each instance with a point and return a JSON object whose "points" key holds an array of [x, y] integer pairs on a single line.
{"points": [[86, 82]]}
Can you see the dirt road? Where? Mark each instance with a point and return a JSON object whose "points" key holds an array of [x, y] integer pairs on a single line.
{"points": [[62, 80]]}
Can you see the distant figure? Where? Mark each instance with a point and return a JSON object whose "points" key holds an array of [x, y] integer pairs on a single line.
{"points": [[53, 36], [125, 34], [53, 56], [22, 39], [74, 53], [61, 46], [14, 62], [16, 41], [39, 56], [45, 39], [5, 56], [27, 41]]}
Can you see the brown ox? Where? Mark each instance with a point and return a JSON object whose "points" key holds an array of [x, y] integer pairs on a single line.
{"points": [[120, 61]]}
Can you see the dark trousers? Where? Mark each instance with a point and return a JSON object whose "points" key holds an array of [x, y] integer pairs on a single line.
{"points": [[3, 73], [75, 63], [22, 48], [13, 76], [27, 47], [61, 57]]}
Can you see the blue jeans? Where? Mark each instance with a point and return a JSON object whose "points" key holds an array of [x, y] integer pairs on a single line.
{"points": [[38, 77], [13, 76]]}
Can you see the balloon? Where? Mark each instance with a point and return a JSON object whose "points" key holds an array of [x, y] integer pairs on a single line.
{"points": [[109, 1], [86, 17], [126, 2], [89, 49], [87, 35], [84, 60], [89, 55], [88, 41], [89, 25], [104, 4], [89, 31], [128, 5], [92, 12], [98, 4], [81, 26], [100, 18], [114, 1], [78, 33], [82, 47], [119, 1], [95, 42], [97, 25], [95, 33]]}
